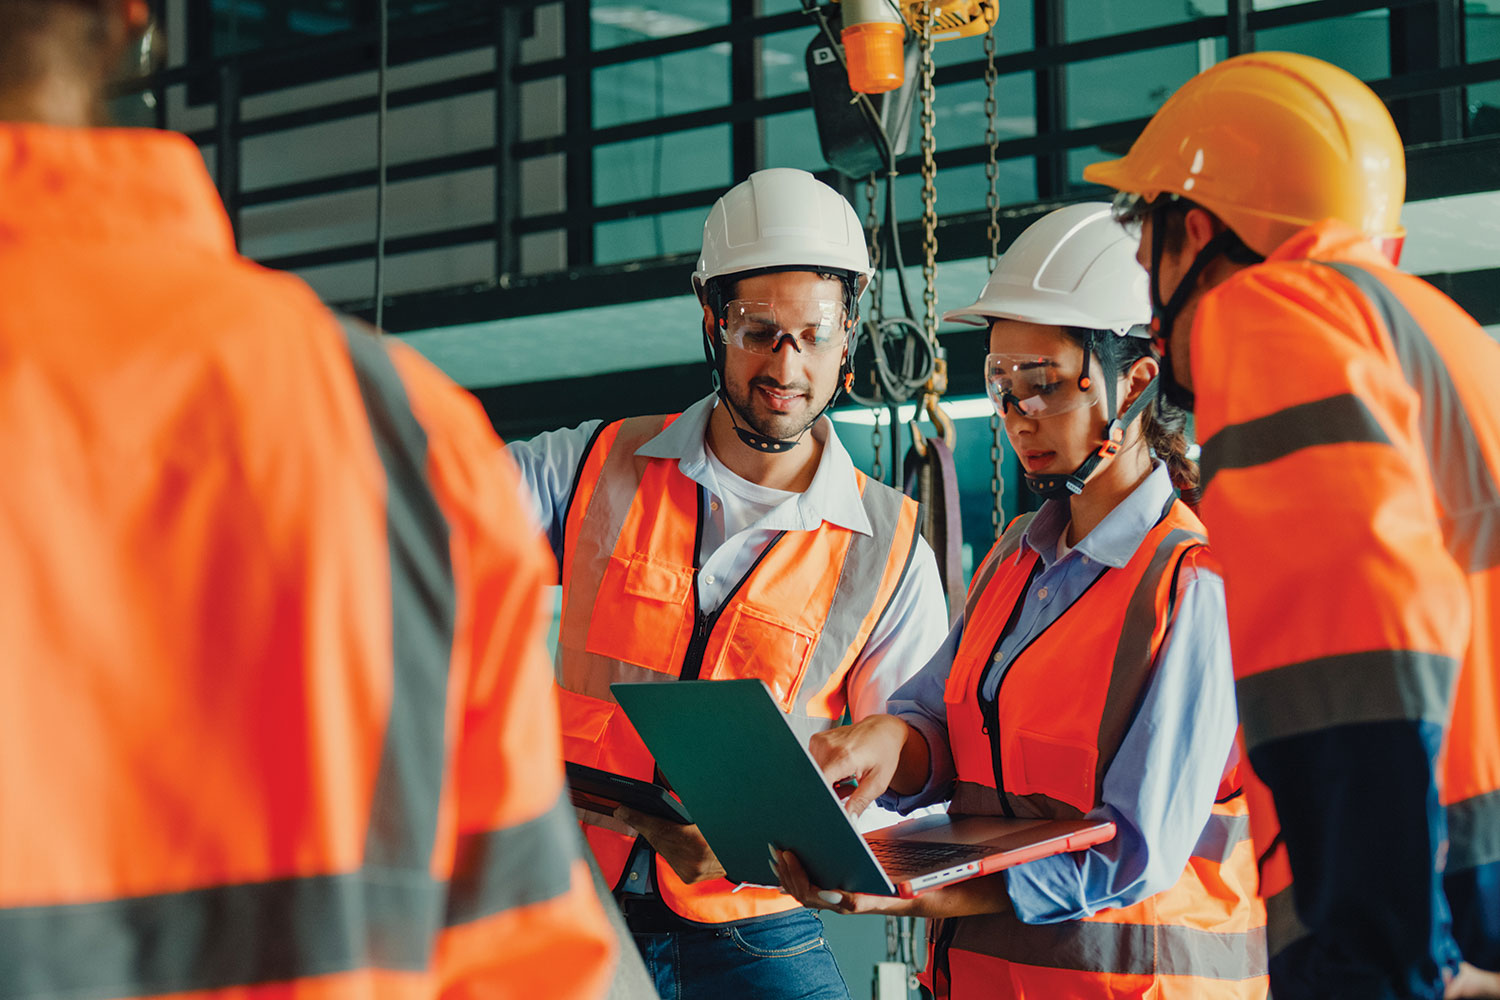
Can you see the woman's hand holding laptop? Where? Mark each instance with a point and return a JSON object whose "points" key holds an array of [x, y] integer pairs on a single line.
{"points": [[874, 754]]}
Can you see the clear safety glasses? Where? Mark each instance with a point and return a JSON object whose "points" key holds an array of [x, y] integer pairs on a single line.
{"points": [[1130, 210], [1035, 385], [809, 326]]}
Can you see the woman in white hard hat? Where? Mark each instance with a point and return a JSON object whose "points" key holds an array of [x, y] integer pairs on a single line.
{"points": [[1089, 675]]}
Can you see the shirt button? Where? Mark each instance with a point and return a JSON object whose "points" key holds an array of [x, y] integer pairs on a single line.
{"points": [[1042, 593], [1085, 559], [634, 876], [708, 580], [713, 505]]}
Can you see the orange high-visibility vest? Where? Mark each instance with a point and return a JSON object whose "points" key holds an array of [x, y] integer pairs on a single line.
{"points": [[1395, 611], [1060, 715], [276, 716], [798, 622]]}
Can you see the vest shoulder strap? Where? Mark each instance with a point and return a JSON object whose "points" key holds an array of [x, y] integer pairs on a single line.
{"points": [[895, 525], [1008, 545]]}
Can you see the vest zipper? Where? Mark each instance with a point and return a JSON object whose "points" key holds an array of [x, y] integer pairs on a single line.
{"points": [[703, 623], [989, 708]]}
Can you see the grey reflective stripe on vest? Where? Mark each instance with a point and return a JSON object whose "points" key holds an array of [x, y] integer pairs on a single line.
{"points": [[403, 816], [858, 589], [1134, 656], [1220, 836], [1284, 927], [270, 932], [1008, 545], [1474, 832], [594, 543], [385, 915], [973, 799], [499, 870], [855, 595], [1342, 419], [1465, 485], [1378, 685], [219, 937], [1098, 947]]}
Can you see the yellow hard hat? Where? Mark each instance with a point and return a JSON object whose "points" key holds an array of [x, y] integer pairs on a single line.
{"points": [[1271, 142]]}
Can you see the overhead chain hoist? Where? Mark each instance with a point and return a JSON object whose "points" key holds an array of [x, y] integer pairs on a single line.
{"points": [[992, 205]]}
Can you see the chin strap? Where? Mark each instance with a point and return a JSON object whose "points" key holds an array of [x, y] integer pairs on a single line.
{"points": [[760, 442], [1164, 314], [1061, 487]]}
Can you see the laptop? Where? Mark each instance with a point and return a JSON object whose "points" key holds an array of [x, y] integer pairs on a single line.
{"points": [[728, 752]]}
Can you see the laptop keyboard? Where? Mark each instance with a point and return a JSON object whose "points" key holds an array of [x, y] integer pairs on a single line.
{"points": [[916, 857]]}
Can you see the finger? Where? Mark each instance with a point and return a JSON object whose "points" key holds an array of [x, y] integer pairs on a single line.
{"points": [[809, 894], [793, 878]]}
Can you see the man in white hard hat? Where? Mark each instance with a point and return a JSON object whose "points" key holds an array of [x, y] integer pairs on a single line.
{"points": [[735, 539]]}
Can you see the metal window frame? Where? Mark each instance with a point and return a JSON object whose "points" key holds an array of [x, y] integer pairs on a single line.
{"points": [[1425, 87]]}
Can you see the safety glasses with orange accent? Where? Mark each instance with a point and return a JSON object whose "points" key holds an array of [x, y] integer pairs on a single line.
{"points": [[1037, 386], [808, 326]]}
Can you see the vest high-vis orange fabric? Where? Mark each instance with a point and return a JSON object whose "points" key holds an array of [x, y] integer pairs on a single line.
{"points": [[798, 622], [1351, 422], [1203, 937], [275, 712]]}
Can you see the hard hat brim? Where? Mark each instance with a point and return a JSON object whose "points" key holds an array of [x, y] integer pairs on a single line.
{"points": [[1111, 174]]}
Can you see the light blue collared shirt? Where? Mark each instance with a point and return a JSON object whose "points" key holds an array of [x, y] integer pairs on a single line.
{"points": [[1161, 786], [906, 635]]}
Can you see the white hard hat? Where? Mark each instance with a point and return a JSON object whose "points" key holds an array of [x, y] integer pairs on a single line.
{"points": [[782, 217], [1072, 267]]}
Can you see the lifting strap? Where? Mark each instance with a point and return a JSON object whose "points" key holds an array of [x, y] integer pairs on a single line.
{"points": [[932, 480]]}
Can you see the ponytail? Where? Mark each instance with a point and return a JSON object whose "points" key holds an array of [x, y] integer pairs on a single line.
{"points": [[1164, 427]]}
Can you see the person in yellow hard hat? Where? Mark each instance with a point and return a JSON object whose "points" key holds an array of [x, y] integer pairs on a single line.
{"points": [[1351, 432]]}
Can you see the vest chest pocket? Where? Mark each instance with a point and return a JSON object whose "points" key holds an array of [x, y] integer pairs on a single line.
{"points": [[642, 614], [760, 645], [1055, 766]]}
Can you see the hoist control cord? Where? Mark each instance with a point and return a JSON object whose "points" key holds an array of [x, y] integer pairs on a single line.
{"points": [[896, 379]]}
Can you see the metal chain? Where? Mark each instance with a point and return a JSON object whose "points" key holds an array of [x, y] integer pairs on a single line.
{"points": [[997, 488], [992, 203], [991, 141], [929, 179], [872, 226]]}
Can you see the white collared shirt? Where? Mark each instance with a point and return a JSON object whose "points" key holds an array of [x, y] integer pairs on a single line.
{"points": [[739, 523]]}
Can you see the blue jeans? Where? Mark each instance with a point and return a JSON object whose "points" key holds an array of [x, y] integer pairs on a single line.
{"points": [[782, 957]]}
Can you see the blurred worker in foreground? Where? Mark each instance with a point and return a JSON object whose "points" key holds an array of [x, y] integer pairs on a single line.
{"points": [[1089, 675], [735, 539], [275, 713], [1351, 436]]}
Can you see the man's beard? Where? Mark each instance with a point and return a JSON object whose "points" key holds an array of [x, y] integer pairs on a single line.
{"points": [[781, 426]]}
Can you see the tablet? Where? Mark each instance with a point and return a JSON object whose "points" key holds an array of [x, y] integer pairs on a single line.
{"points": [[601, 791]]}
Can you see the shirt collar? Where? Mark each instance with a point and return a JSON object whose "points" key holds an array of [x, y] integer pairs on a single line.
{"points": [[1115, 539], [832, 496], [117, 185]]}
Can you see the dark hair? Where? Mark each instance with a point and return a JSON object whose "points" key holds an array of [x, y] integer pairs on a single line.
{"points": [[1171, 215], [1163, 425], [29, 29]]}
